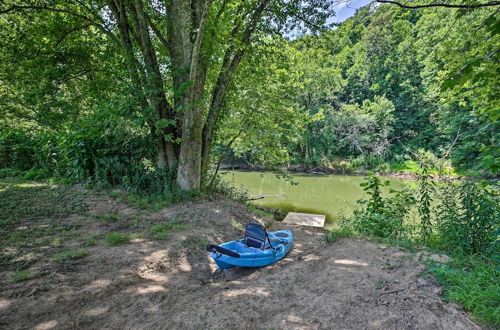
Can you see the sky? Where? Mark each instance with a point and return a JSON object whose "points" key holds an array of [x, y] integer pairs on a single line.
{"points": [[346, 8]]}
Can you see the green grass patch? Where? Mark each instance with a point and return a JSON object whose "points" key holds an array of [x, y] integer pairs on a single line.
{"points": [[169, 226], [22, 275], [70, 255], [195, 242], [114, 239], [110, 217], [27, 200], [90, 241], [335, 234], [473, 282], [161, 235], [161, 230]]}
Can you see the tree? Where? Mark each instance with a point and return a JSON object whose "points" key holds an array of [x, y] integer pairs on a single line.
{"points": [[181, 57]]}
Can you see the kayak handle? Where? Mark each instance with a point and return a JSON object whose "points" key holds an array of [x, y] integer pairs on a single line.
{"points": [[220, 250]]}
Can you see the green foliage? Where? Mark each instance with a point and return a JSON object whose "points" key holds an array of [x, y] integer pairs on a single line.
{"points": [[426, 190], [465, 224], [114, 239], [379, 216], [469, 218], [464, 216], [473, 282]]}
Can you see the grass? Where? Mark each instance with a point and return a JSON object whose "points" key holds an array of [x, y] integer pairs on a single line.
{"points": [[161, 230], [27, 200], [169, 226], [70, 255], [110, 217], [90, 241], [473, 282], [152, 202], [115, 239], [160, 235], [22, 275], [335, 234], [195, 242]]}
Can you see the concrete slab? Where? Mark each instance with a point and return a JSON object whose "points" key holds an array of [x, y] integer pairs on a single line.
{"points": [[305, 219]]}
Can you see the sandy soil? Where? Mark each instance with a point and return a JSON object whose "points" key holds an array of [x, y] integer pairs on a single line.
{"points": [[168, 284]]}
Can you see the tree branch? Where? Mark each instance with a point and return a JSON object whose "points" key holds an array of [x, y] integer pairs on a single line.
{"points": [[158, 33], [446, 5], [60, 10]]}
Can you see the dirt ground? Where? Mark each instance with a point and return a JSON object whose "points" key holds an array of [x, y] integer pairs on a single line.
{"points": [[168, 283]]}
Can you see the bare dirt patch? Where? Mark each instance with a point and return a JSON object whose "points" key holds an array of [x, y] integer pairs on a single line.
{"points": [[167, 283]]}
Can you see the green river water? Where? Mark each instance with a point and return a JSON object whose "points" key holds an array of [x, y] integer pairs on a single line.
{"points": [[332, 195]]}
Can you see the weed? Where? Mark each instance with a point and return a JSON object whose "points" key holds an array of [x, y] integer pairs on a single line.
{"points": [[110, 217], [169, 226], [90, 241], [22, 275], [333, 235], [161, 235], [235, 223], [195, 243], [474, 282], [70, 255], [114, 239]]}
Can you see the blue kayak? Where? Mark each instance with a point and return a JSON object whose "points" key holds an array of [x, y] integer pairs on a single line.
{"points": [[257, 249]]}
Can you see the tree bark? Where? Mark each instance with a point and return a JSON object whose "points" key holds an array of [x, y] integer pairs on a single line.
{"points": [[187, 20]]}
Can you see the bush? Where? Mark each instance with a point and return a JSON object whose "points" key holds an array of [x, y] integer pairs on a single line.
{"points": [[17, 149], [379, 216], [469, 217]]}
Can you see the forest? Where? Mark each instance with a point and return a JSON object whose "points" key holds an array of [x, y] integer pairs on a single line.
{"points": [[85, 96], [118, 117]]}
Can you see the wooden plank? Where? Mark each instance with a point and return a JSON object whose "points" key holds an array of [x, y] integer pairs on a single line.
{"points": [[305, 219]]}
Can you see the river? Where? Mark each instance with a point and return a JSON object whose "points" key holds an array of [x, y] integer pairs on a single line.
{"points": [[332, 195]]}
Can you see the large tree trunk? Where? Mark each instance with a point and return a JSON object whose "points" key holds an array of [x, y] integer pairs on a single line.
{"points": [[189, 65]]}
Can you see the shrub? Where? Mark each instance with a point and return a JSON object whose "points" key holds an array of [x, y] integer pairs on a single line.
{"points": [[469, 217], [379, 216]]}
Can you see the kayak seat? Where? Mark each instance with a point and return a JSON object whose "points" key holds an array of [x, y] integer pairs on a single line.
{"points": [[256, 236]]}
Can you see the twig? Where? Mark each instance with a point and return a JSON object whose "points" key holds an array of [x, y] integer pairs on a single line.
{"points": [[446, 5]]}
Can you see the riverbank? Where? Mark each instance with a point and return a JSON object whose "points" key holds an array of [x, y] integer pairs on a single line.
{"points": [[76, 258]]}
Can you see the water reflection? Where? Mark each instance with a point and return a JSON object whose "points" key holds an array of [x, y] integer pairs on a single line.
{"points": [[332, 195]]}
